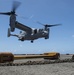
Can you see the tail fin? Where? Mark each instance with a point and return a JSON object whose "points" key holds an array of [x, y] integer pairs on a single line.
{"points": [[8, 32]]}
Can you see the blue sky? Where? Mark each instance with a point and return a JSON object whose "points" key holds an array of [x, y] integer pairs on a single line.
{"points": [[47, 12]]}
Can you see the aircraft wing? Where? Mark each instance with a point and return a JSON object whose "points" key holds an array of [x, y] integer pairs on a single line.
{"points": [[23, 27]]}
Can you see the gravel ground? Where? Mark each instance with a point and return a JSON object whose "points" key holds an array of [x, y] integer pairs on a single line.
{"points": [[48, 69]]}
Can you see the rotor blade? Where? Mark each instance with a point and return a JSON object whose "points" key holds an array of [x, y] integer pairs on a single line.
{"points": [[15, 5], [52, 25], [39, 23], [7, 13]]}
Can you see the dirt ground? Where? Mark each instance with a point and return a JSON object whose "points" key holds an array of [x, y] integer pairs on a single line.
{"points": [[47, 69]]}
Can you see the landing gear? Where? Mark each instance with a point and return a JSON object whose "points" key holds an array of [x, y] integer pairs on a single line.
{"points": [[31, 41], [22, 39], [46, 37]]}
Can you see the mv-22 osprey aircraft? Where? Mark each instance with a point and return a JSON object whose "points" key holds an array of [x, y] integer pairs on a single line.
{"points": [[27, 33]]}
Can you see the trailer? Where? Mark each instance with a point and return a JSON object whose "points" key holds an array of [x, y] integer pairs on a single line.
{"points": [[9, 57]]}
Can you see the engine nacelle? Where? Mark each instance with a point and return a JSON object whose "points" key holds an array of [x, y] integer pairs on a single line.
{"points": [[47, 36], [12, 22]]}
